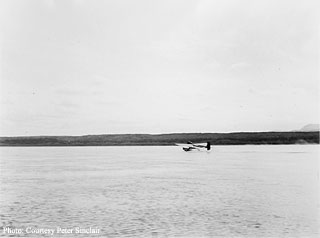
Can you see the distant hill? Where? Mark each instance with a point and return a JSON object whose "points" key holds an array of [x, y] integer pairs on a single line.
{"points": [[311, 127], [238, 138]]}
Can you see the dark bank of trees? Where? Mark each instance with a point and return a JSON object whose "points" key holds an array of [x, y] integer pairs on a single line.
{"points": [[239, 138]]}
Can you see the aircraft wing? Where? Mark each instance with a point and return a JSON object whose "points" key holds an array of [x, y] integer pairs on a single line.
{"points": [[185, 145], [200, 144]]}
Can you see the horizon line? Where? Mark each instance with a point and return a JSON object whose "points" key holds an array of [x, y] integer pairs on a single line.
{"points": [[169, 133]]}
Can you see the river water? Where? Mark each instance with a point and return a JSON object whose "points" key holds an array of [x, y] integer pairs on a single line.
{"points": [[233, 191]]}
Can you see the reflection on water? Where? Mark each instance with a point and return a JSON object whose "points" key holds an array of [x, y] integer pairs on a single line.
{"points": [[243, 191]]}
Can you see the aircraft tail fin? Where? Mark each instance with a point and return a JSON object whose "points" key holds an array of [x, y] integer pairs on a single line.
{"points": [[208, 145]]}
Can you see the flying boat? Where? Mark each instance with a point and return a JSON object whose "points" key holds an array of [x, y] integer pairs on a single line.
{"points": [[189, 146]]}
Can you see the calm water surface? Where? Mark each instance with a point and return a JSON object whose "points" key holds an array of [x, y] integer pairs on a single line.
{"points": [[238, 191]]}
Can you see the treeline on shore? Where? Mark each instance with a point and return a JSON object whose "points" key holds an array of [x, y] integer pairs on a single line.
{"points": [[237, 138]]}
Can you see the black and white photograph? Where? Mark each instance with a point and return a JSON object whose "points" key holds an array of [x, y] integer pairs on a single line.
{"points": [[160, 118]]}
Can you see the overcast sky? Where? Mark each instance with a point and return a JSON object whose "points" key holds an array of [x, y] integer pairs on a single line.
{"points": [[74, 67]]}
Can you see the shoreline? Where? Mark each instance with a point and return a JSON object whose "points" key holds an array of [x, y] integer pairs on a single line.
{"points": [[235, 138]]}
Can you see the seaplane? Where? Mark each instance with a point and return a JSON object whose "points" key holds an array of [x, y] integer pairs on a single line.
{"points": [[192, 146]]}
